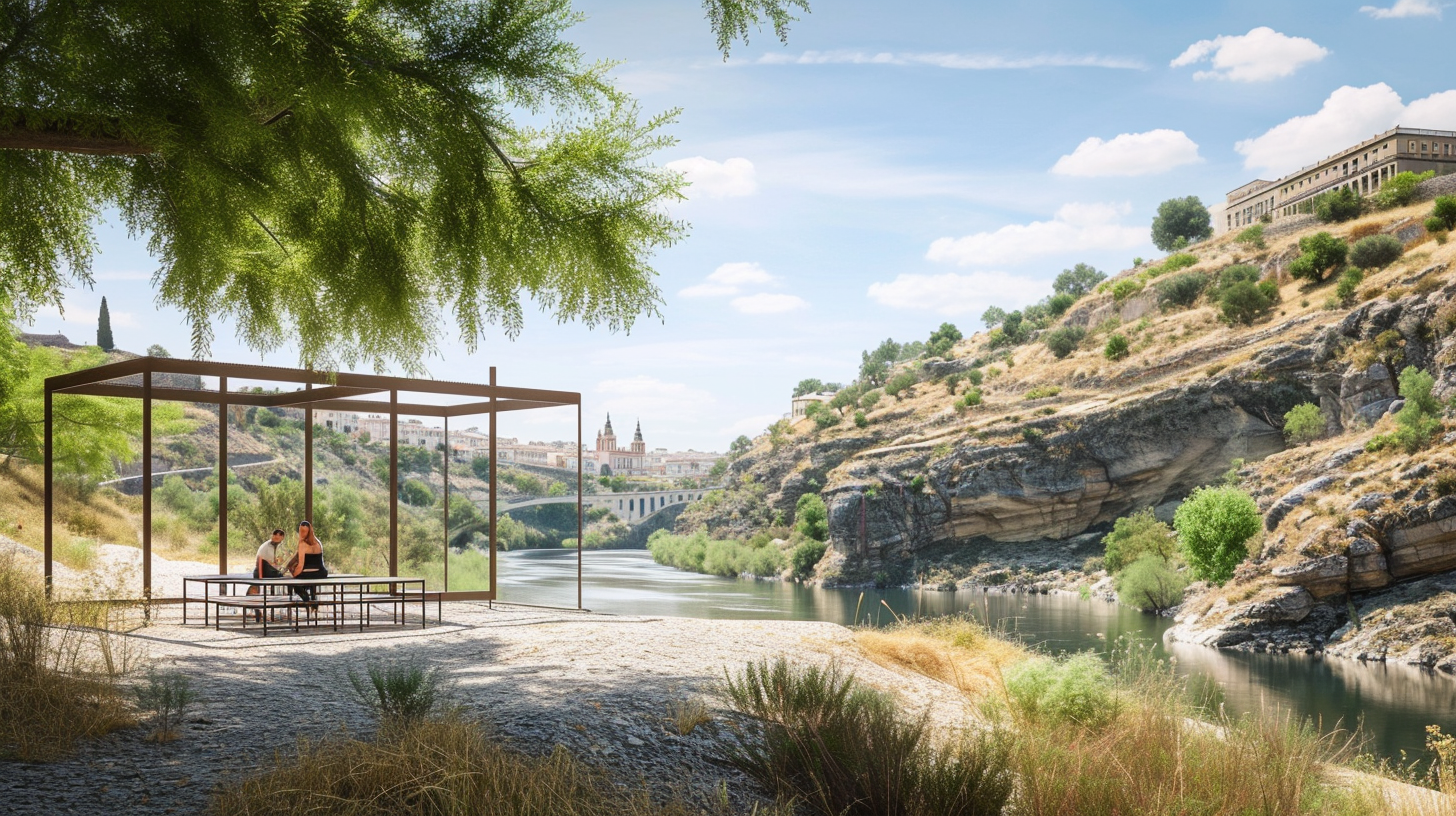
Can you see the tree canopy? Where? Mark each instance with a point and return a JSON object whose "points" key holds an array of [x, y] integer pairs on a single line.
{"points": [[1078, 281], [337, 174], [1179, 222]]}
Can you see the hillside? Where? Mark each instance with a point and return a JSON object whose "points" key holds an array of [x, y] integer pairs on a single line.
{"points": [[1020, 482]]}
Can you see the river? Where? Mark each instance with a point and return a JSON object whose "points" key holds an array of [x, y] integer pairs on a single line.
{"points": [[1394, 703]]}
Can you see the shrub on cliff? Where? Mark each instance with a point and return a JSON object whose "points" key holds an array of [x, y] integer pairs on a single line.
{"points": [[1126, 288], [1058, 304], [1400, 189], [1065, 340], [1116, 348], [1137, 535], [899, 383], [1341, 205], [1151, 584], [1253, 237], [805, 556], [810, 517], [1376, 252], [1350, 282], [1244, 302], [860, 420], [1445, 209], [1303, 424], [1181, 291], [1319, 253], [870, 400], [1214, 526], [1418, 420]]}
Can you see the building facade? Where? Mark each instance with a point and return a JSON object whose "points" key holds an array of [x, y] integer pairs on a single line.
{"points": [[799, 405], [1362, 168]]}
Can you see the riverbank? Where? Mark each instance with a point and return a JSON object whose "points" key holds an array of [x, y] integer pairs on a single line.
{"points": [[602, 686]]}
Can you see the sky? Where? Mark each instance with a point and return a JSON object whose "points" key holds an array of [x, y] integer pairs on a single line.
{"points": [[899, 165]]}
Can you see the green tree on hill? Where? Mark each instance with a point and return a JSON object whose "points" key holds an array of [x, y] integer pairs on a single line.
{"points": [[1179, 222], [365, 169], [103, 328], [808, 386], [1214, 526], [1077, 281], [942, 340]]}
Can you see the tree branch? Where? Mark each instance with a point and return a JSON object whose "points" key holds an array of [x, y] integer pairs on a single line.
{"points": [[21, 130]]}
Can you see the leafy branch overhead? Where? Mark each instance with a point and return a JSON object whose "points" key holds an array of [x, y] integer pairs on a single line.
{"points": [[343, 176]]}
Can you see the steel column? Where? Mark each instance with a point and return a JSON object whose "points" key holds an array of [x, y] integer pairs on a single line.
{"points": [[50, 475], [308, 458], [494, 466], [222, 476], [147, 485], [447, 504], [578, 505], [393, 483]]}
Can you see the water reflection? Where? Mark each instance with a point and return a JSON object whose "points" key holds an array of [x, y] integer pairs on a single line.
{"points": [[1396, 703]]}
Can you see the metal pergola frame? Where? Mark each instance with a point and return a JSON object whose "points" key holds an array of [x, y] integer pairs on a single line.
{"points": [[328, 390]]}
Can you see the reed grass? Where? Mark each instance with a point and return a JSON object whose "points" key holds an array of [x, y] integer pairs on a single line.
{"points": [[437, 766], [687, 714], [954, 649]]}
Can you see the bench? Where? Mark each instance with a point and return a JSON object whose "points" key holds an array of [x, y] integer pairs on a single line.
{"points": [[337, 594]]}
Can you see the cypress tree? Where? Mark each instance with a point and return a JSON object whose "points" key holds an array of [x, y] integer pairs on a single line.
{"points": [[103, 328]]}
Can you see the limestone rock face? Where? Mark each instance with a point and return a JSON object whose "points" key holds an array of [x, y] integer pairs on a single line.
{"points": [[1425, 542]]}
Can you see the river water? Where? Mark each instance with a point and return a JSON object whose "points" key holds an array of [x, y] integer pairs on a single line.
{"points": [[1394, 703]]}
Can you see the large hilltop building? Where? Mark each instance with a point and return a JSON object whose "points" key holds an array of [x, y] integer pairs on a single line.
{"points": [[1362, 168], [612, 460]]}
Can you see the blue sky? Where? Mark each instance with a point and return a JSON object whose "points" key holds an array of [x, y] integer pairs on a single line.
{"points": [[899, 165]]}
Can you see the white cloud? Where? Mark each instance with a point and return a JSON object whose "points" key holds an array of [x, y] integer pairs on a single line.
{"points": [[766, 303], [713, 179], [953, 294], [1405, 8], [1259, 56], [645, 396], [1348, 116], [1130, 154], [78, 315], [750, 426], [1076, 227], [961, 62], [730, 279]]}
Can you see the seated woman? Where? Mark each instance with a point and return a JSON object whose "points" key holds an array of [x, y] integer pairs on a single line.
{"points": [[310, 561]]}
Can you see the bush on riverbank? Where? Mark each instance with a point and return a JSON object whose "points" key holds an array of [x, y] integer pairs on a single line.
{"points": [[713, 556]]}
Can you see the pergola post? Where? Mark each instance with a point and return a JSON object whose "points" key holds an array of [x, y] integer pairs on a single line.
{"points": [[308, 458], [447, 504], [578, 505], [490, 486], [222, 476], [147, 485], [50, 474], [393, 483]]}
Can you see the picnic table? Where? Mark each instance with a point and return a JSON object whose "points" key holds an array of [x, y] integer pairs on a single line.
{"points": [[337, 594]]}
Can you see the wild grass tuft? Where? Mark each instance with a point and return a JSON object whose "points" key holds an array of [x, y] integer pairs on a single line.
{"points": [[843, 750], [954, 649], [59, 670], [687, 714], [445, 765], [165, 696], [401, 691]]}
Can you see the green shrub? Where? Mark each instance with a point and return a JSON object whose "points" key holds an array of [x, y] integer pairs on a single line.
{"points": [[1032, 436], [1214, 525], [1319, 253], [1252, 237], [416, 493], [1349, 284], [805, 556], [942, 340], [899, 383], [1181, 291], [1238, 273], [1151, 584], [1341, 205], [811, 519], [870, 400], [1042, 392], [1445, 209], [826, 418], [1126, 288], [1435, 226], [1064, 341], [1304, 424], [1057, 305], [1376, 252], [1137, 535], [1244, 302], [860, 420], [1077, 281], [400, 692], [970, 399], [1418, 420], [1116, 348], [975, 376], [840, 749], [1400, 189], [1075, 690]]}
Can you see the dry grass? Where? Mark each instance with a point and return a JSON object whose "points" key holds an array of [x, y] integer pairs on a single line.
{"points": [[440, 766], [687, 714], [955, 650], [59, 670]]}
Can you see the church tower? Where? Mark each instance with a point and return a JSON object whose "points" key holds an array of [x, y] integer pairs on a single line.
{"points": [[638, 446], [606, 438]]}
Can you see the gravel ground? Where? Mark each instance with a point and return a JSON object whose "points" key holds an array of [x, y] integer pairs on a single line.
{"points": [[599, 685]]}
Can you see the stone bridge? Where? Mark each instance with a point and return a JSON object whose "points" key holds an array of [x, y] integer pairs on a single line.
{"points": [[633, 508]]}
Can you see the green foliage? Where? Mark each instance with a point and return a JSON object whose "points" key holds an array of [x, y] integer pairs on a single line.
{"points": [[165, 696], [1350, 281], [271, 505], [1244, 302], [825, 418], [1126, 288], [1341, 205], [402, 692], [1252, 237], [970, 399], [1376, 251], [804, 557], [480, 466], [1180, 222], [846, 397], [1058, 304], [860, 420], [1303, 424], [1319, 253], [1418, 420], [900, 382], [1064, 341], [103, 328], [975, 376], [993, 316], [1137, 535], [341, 174], [841, 749], [1151, 584], [1173, 263], [1116, 347], [1400, 189], [739, 446], [942, 340], [809, 386], [1181, 291], [1074, 690], [1042, 392], [1435, 225], [811, 519], [1032, 436], [699, 553], [1077, 281], [1445, 209], [870, 400], [1214, 525], [779, 433], [416, 493]]}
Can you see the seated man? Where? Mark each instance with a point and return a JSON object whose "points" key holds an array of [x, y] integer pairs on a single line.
{"points": [[266, 564]]}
